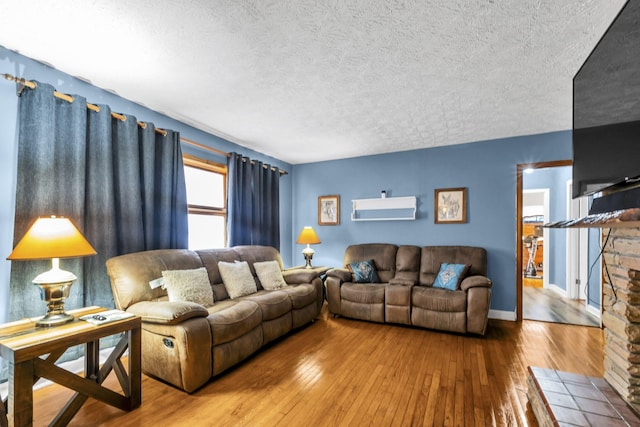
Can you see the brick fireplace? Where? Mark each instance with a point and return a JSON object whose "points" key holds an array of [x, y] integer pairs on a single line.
{"points": [[621, 318], [559, 398]]}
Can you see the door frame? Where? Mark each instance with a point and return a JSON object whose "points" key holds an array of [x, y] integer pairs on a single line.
{"points": [[577, 241], [519, 176]]}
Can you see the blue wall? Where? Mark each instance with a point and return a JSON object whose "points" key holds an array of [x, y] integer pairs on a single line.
{"points": [[18, 65], [487, 169]]}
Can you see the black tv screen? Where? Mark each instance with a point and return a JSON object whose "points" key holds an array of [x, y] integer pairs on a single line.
{"points": [[606, 109]]}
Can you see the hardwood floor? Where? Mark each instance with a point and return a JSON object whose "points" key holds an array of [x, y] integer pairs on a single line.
{"points": [[347, 372], [548, 306]]}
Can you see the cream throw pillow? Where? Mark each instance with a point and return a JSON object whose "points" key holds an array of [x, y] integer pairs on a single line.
{"points": [[189, 285], [269, 274], [237, 278]]}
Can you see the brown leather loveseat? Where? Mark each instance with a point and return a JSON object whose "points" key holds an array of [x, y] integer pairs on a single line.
{"points": [[405, 292], [185, 343]]}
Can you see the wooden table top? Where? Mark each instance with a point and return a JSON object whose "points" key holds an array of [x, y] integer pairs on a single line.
{"points": [[23, 340]]}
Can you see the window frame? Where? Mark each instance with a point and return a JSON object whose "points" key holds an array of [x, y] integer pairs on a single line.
{"points": [[208, 166]]}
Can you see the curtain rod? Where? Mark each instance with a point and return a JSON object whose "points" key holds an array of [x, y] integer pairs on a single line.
{"points": [[22, 83]]}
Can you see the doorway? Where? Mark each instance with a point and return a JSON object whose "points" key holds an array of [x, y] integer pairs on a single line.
{"points": [[552, 277], [535, 211]]}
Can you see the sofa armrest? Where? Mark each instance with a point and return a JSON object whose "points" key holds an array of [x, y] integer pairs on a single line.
{"points": [[167, 312], [341, 274], [296, 276], [478, 305], [475, 282]]}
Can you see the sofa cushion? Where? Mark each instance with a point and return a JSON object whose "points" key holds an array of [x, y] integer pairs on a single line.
{"points": [[433, 256], [364, 271], [231, 319], [382, 254], [450, 276], [363, 293], [272, 303], [210, 259], [188, 285], [437, 299], [301, 295], [269, 274], [408, 263], [237, 278], [130, 274]]}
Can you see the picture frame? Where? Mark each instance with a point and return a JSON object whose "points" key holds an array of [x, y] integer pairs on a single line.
{"points": [[329, 210], [450, 206]]}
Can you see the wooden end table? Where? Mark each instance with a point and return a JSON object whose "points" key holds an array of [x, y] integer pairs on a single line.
{"points": [[22, 344]]}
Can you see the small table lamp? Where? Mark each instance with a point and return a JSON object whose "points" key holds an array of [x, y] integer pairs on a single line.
{"points": [[54, 238], [308, 237]]}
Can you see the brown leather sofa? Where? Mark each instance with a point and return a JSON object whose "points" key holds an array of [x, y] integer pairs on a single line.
{"points": [[184, 343], [406, 294]]}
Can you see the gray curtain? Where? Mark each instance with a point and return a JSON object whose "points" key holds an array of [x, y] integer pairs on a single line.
{"points": [[253, 203], [121, 185]]}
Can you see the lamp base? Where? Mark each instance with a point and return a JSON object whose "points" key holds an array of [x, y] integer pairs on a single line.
{"points": [[50, 320], [307, 258], [308, 255], [54, 295]]}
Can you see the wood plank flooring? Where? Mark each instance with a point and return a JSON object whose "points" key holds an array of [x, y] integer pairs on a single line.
{"points": [[342, 372], [548, 306]]}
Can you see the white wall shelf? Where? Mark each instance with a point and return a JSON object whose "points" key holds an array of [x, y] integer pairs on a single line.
{"points": [[389, 209]]}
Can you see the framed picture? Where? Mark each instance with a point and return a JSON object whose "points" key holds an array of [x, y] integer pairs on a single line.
{"points": [[451, 206], [328, 210]]}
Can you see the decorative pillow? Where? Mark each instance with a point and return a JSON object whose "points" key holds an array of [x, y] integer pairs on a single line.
{"points": [[450, 276], [364, 271], [269, 274], [237, 278], [189, 285]]}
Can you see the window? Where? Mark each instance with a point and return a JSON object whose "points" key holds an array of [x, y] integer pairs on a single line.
{"points": [[206, 183]]}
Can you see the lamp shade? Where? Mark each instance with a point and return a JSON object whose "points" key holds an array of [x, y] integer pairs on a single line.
{"points": [[54, 237], [308, 237]]}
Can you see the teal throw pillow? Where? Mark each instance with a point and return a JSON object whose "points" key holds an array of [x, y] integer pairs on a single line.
{"points": [[450, 276], [365, 271]]}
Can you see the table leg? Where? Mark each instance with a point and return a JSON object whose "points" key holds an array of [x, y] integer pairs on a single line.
{"points": [[92, 360], [20, 402], [91, 372], [135, 367], [4, 422]]}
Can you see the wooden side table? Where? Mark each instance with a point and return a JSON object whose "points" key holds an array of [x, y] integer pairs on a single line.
{"points": [[22, 344]]}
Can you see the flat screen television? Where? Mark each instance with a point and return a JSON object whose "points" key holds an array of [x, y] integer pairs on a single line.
{"points": [[606, 109]]}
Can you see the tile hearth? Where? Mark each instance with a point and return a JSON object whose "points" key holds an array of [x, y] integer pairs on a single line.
{"points": [[565, 399]]}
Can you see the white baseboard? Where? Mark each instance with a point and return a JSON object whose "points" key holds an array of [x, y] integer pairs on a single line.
{"points": [[557, 289], [502, 315], [594, 310], [563, 293]]}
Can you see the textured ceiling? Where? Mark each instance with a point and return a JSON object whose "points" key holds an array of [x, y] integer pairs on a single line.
{"points": [[314, 80]]}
